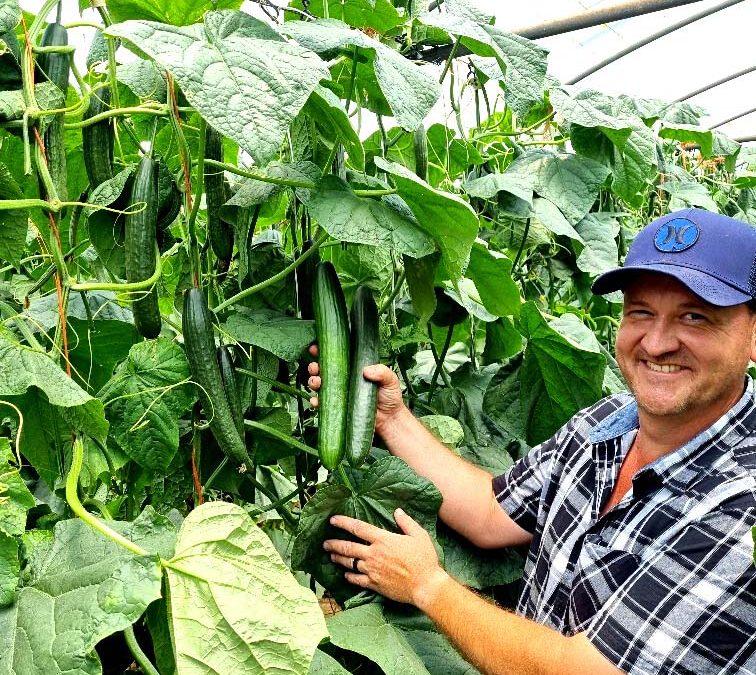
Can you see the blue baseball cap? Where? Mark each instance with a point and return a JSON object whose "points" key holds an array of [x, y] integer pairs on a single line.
{"points": [[713, 255]]}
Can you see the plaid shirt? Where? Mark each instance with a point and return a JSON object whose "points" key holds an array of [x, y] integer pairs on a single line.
{"points": [[664, 582]]}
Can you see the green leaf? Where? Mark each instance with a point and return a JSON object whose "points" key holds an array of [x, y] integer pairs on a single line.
{"points": [[326, 109], [257, 85], [98, 586], [365, 630], [598, 232], [101, 332], [106, 228], [420, 274], [144, 402], [492, 273], [15, 498], [10, 568], [443, 215], [549, 215], [10, 15], [503, 341], [13, 223], [364, 220], [684, 191], [282, 335], [478, 568], [180, 13], [227, 576], [380, 490], [446, 429], [379, 15], [568, 181], [558, 378], [520, 185], [410, 90], [12, 104], [322, 664], [144, 80], [22, 367], [251, 192]]}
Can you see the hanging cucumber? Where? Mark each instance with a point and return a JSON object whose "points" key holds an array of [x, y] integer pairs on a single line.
{"points": [[200, 352], [97, 140], [55, 67], [332, 331], [226, 365], [140, 244], [220, 233], [421, 153], [363, 394], [305, 277]]}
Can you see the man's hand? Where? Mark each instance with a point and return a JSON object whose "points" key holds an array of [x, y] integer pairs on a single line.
{"points": [[403, 567], [389, 401]]}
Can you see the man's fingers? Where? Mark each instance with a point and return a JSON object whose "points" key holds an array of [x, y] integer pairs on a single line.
{"points": [[361, 580], [313, 368], [347, 549], [314, 402], [313, 350], [378, 373], [406, 523], [359, 528], [314, 382]]}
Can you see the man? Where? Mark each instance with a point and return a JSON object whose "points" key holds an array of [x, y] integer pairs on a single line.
{"points": [[638, 512]]}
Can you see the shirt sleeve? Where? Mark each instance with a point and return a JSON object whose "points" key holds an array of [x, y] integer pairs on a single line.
{"points": [[690, 607], [519, 490]]}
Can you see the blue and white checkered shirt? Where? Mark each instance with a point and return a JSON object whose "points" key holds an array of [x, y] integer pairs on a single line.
{"points": [[664, 582]]}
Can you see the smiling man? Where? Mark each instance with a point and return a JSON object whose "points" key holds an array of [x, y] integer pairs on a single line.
{"points": [[638, 512]]}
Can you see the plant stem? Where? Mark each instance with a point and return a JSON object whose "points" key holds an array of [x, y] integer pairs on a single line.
{"points": [[449, 60], [286, 388], [522, 245], [72, 497], [439, 359], [150, 109], [394, 292], [124, 287], [136, 651], [275, 278], [346, 480], [215, 473], [279, 435]]}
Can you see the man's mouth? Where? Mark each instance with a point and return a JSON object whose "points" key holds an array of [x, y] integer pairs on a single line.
{"points": [[663, 367]]}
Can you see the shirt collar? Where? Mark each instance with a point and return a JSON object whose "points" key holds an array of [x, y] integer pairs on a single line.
{"points": [[625, 419]]}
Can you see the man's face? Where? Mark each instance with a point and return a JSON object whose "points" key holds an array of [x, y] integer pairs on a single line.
{"points": [[682, 357]]}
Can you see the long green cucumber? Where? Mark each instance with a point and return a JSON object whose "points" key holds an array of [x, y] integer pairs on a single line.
{"points": [[226, 365], [421, 152], [140, 243], [332, 331], [200, 352], [97, 140], [363, 394], [220, 233], [55, 68]]}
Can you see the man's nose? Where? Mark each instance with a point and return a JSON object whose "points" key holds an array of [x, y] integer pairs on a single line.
{"points": [[660, 338]]}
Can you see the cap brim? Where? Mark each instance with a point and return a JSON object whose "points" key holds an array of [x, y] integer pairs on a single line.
{"points": [[705, 286]]}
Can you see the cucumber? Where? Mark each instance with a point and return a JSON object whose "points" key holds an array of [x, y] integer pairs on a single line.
{"points": [[97, 140], [421, 153], [363, 394], [140, 244], [200, 352], [305, 277], [332, 331], [226, 365], [55, 67], [219, 232]]}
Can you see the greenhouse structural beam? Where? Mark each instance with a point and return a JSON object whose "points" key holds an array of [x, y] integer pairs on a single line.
{"points": [[597, 17], [711, 85], [654, 36], [734, 117]]}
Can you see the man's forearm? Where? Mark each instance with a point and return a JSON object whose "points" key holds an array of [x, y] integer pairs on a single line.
{"points": [[466, 489], [498, 642]]}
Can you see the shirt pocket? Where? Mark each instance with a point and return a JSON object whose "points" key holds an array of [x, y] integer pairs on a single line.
{"points": [[601, 569]]}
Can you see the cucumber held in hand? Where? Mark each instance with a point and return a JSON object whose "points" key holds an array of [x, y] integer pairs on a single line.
{"points": [[363, 394], [140, 244], [200, 352], [332, 331]]}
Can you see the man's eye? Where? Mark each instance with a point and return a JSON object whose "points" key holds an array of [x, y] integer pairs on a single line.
{"points": [[695, 316]]}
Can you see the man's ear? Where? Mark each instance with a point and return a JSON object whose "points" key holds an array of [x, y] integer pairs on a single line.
{"points": [[753, 341]]}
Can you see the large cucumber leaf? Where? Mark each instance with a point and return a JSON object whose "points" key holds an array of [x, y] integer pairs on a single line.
{"points": [[227, 578]]}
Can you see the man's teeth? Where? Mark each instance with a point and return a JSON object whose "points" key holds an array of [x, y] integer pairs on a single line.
{"points": [[659, 368]]}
